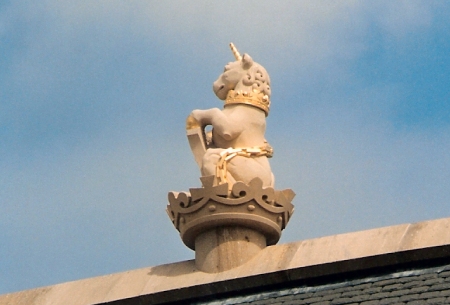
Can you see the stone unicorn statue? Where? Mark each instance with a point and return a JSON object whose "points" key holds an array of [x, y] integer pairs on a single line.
{"points": [[235, 149]]}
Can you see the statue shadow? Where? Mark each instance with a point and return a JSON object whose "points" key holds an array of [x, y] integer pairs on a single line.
{"points": [[174, 269]]}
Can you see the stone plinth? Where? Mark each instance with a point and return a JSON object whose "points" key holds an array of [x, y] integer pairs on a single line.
{"points": [[227, 228]]}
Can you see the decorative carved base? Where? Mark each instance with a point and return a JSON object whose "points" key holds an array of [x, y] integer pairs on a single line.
{"points": [[262, 210]]}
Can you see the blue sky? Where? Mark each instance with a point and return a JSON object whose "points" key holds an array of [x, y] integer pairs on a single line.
{"points": [[94, 95]]}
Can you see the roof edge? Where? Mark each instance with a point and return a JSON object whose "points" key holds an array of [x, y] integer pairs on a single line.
{"points": [[306, 260], [308, 275]]}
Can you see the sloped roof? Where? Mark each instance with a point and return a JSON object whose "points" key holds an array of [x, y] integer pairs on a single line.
{"points": [[316, 261], [416, 286]]}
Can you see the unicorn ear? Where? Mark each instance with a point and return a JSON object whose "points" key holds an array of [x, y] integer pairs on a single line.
{"points": [[247, 61]]}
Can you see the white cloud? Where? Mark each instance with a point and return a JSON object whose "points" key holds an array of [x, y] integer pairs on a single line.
{"points": [[315, 30]]}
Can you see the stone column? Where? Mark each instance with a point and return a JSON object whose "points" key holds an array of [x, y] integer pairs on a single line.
{"points": [[226, 247]]}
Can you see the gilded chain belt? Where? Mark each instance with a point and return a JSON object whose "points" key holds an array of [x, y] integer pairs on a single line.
{"points": [[230, 153]]}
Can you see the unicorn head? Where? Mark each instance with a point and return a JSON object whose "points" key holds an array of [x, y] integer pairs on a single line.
{"points": [[243, 75]]}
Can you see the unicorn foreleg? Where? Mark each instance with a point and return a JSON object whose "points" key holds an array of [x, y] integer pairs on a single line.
{"points": [[222, 125]]}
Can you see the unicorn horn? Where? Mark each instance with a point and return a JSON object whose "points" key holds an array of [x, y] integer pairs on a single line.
{"points": [[235, 52]]}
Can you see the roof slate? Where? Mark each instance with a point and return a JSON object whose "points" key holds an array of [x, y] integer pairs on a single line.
{"points": [[419, 286]]}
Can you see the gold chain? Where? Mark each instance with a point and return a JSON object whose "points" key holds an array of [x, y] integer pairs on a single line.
{"points": [[230, 153]]}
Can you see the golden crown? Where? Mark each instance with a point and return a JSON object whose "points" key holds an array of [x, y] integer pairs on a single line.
{"points": [[255, 98]]}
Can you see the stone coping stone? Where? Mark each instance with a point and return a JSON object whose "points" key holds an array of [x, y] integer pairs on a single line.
{"points": [[279, 264]]}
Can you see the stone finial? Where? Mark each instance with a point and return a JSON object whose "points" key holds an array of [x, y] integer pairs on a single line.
{"points": [[237, 211]]}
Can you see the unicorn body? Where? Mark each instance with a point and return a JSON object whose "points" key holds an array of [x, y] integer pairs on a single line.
{"points": [[237, 150]]}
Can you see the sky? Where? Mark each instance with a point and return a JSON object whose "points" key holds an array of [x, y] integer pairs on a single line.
{"points": [[94, 97]]}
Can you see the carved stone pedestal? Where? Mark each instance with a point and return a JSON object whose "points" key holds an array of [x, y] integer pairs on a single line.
{"points": [[227, 228]]}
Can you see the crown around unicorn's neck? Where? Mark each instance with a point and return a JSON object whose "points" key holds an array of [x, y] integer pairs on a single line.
{"points": [[256, 99]]}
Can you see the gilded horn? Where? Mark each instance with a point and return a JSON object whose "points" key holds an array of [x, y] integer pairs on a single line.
{"points": [[235, 52]]}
